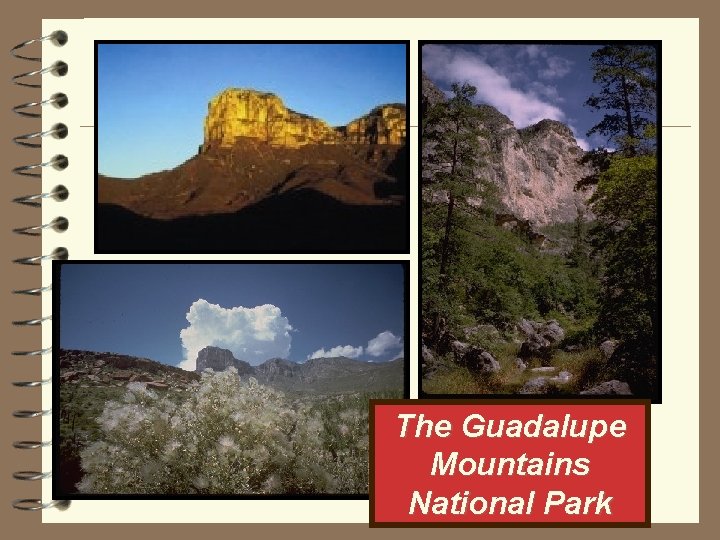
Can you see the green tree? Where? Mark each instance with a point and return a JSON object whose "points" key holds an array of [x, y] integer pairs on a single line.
{"points": [[626, 74], [451, 156], [625, 203]]}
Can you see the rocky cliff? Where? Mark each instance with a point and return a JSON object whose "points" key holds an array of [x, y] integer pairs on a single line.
{"points": [[535, 168], [219, 359], [239, 112], [383, 125], [316, 375]]}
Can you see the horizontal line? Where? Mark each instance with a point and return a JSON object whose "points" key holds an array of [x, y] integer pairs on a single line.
{"points": [[87, 126], [676, 126]]}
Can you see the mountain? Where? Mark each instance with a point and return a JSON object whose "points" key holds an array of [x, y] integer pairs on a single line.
{"points": [[316, 376], [535, 168], [292, 180], [219, 360]]}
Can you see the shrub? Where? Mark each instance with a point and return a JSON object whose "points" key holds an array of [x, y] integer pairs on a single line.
{"points": [[227, 437]]}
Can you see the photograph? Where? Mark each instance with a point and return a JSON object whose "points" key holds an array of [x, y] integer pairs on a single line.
{"points": [[265, 147], [540, 219], [217, 380]]}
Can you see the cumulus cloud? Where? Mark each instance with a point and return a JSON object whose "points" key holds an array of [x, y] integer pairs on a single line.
{"points": [[341, 350], [252, 334], [523, 107], [383, 342]]}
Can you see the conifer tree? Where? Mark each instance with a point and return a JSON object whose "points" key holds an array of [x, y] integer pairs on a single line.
{"points": [[451, 130], [625, 204], [626, 74]]}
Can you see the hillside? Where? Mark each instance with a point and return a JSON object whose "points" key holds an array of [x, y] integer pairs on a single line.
{"points": [[286, 176], [316, 376]]}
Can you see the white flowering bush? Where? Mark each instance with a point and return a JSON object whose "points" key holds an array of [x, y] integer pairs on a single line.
{"points": [[226, 436]]}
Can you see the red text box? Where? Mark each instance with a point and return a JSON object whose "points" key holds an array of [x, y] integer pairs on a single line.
{"points": [[505, 462]]}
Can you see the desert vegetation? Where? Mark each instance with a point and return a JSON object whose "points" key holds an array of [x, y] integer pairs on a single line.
{"points": [[219, 435]]}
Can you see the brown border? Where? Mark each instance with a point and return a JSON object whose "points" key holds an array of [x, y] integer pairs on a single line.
{"points": [[21, 21], [501, 524]]}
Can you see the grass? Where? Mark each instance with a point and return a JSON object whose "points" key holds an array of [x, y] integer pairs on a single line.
{"points": [[587, 367]]}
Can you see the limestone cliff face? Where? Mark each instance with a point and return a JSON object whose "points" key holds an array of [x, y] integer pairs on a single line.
{"points": [[535, 168], [238, 112], [384, 125]]}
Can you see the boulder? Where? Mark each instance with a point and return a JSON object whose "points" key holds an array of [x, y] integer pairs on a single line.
{"points": [[158, 385], [459, 350], [478, 360], [562, 377], [541, 338], [520, 364], [427, 355], [608, 347], [69, 375], [122, 375], [609, 388], [538, 385]]}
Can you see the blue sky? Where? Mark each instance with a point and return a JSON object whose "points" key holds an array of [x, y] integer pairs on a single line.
{"points": [[527, 82], [259, 311], [152, 99]]}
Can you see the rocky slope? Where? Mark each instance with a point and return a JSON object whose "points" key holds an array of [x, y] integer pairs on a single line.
{"points": [[89, 368], [268, 179], [535, 168], [321, 375]]}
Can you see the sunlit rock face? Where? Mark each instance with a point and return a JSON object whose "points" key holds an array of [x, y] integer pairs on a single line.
{"points": [[237, 112], [383, 125]]}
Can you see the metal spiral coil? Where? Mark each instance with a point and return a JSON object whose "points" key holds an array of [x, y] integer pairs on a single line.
{"points": [[24, 413], [58, 162], [58, 100], [37, 504], [31, 445], [34, 292], [58, 193], [32, 384], [33, 109], [58, 224], [59, 131]]}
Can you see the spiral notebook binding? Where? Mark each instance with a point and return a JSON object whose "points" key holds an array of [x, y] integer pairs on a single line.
{"points": [[33, 109]]}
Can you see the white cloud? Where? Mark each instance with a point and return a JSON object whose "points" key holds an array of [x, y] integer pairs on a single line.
{"points": [[533, 51], [455, 65], [341, 350], [582, 143], [252, 334], [557, 67], [383, 342]]}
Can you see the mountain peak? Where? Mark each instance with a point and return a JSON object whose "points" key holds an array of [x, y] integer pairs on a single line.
{"points": [[535, 168], [237, 113]]}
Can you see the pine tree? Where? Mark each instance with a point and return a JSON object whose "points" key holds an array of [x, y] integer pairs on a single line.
{"points": [[625, 203], [451, 130], [626, 74]]}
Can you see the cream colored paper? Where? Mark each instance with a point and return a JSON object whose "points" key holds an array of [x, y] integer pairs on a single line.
{"points": [[675, 435]]}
